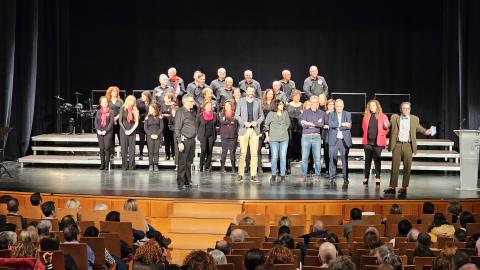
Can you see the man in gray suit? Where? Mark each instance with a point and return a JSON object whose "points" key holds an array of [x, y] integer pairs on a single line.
{"points": [[339, 139], [315, 85], [249, 115]]}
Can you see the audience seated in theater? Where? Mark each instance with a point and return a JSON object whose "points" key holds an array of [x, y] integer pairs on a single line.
{"points": [[253, 258], [326, 253], [51, 243], [465, 218], [109, 259], [441, 227], [8, 227], [66, 221], [36, 199], [161, 240], [283, 230], [460, 259], [455, 209], [238, 235], [394, 261], [198, 260], [280, 255], [73, 204], [472, 240], [460, 235], [395, 209], [24, 248], [7, 239], [223, 246], [149, 256], [247, 221], [287, 241], [218, 257], [444, 260], [72, 236], [404, 227], [32, 233], [113, 216], [428, 208], [424, 243], [12, 209], [412, 235], [371, 239], [48, 210], [44, 227], [100, 207], [355, 219], [285, 221], [469, 266], [382, 252], [341, 263], [318, 231]]}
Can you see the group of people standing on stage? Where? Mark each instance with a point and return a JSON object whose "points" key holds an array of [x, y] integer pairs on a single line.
{"points": [[176, 116]]}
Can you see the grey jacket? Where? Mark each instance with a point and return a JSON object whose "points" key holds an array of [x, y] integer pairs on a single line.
{"points": [[241, 114]]}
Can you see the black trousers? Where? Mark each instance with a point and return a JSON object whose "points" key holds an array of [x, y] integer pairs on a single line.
{"points": [[206, 146], [169, 145], [294, 152], [229, 144], [105, 145], [141, 141], [116, 131], [153, 150], [185, 160], [375, 152], [127, 144]]}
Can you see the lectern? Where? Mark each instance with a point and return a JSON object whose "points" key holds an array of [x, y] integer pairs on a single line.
{"points": [[469, 149]]}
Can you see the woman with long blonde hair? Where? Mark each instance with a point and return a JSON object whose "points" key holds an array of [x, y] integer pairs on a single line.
{"points": [[115, 103], [128, 121], [375, 126]]}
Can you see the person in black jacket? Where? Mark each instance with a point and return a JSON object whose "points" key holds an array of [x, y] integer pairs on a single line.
{"points": [[166, 110], [128, 122], [228, 134], [142, 106], [104, 120], [185, 132], [207, 122], [153, 126]]}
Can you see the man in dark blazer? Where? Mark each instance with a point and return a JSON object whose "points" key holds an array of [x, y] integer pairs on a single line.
{"points": [[249, 115], [403, 144], [339, 139]]}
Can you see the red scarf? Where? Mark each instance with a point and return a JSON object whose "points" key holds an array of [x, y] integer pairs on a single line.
{"points": [[174, 81], [105, 113], [129, 114], [207, 116]]}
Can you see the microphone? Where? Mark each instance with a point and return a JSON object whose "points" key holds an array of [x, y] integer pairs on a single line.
{"points": [[59, 98], [463, 121]]}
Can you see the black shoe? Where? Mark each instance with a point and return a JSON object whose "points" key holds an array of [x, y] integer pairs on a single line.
{"points": [[273, 178], [390, 190], [102, 167], [140, 157], [168, 158], [402, 191]]}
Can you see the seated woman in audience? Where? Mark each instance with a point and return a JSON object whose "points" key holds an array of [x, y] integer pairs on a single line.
{"points": [[287, 241], [444, 260], [51, 243], [455, 209], [284, 221], [24, 248], [253, 258], [424, 242], [247, 221], [371, 240], [65, 221], [280, 255], [394, 261], [198, 260], [472, 240], [109, 259], [441, 227], [149, 256], [131, 205], [218, 257]]}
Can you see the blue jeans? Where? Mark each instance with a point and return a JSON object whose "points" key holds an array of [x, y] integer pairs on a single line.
{"points": [[313, 143], [279, 148]]}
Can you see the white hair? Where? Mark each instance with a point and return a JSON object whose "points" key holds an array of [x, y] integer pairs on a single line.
{"points": [[173, 70], [162, 77], [218, 257], [405, 103]]}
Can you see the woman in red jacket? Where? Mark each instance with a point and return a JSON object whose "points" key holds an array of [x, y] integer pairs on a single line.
{"points": [[375, 126]]}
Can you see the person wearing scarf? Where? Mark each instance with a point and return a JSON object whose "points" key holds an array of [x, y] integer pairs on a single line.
{"points": [[228, 134], [104, 120], [207, 122], [128, 121], [176, 83]]}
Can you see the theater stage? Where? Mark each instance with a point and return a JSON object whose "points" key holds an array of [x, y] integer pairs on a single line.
{"points": [[141, 183]]}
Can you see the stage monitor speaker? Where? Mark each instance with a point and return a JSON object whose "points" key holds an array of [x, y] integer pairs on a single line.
{"points": [[391, 102]]}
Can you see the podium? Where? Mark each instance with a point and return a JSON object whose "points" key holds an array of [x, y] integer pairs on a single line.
{"points": [[469, 149]]}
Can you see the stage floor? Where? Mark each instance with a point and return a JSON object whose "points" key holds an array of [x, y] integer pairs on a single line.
{"points": [[214, 185]]}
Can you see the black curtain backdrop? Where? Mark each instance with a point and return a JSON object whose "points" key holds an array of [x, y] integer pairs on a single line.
{"points": [[58, 47]]}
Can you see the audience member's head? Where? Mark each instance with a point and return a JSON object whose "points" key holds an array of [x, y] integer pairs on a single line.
{"points": [[71, 233], [355, 214], [72, 203], [395, 209], [253, 258], [280, 255], [7, 239], [285, 221], [66, 221], [371, 240], [318, 226], [149, 253], [44, 227], [382, 252], [12, 206], [404, 226], [36, 199], [29, 234], [455, 209], [283, 230], [460, 235], [238, 235], [24, 249], [199, 260], [465, 218], [469, 266], [428, 208], [394, 261], [218, 257], [100, 207], [424, 239], [113, 216], [327, 252], [341, 263], [460, 259], [439, 220], [49, 243], [130, 205], [48, 209], [247, 221], [287, 241], [444, 260], [412, 235], [5, 198], [223, 246], [91, 231]]}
